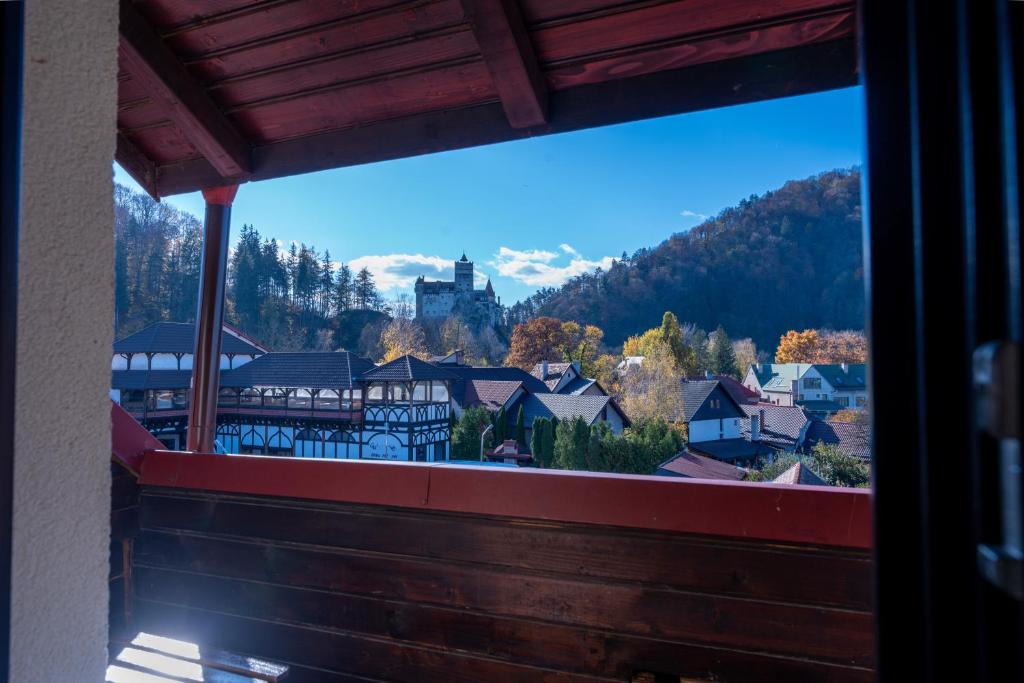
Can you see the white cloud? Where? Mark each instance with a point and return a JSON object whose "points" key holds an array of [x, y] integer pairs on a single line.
{"points": [[686, 213], [544, 268], [399, 271]]}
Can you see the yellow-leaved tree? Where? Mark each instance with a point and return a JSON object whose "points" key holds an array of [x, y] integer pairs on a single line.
{"points": [[797, 347], [403, 337]]}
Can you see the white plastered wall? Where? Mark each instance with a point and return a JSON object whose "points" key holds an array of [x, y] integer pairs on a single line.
{"points": [[65, 313]]}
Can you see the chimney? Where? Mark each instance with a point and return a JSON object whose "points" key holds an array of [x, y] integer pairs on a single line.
{"points": [[764, 419], [760, 367], [845, 367], [755, 427], [708, 374], [543, 369]]}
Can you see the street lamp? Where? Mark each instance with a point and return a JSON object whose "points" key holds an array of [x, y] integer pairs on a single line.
{"points": [[482, 435]]}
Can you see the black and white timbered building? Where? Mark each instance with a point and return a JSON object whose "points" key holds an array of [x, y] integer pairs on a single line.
{"points": [[307, 404]]}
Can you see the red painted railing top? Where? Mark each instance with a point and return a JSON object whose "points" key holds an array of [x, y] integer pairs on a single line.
{"points": [[128, 439], [770, 512]]}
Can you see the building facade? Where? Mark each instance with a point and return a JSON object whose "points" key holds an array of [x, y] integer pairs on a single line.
{"points": [[307, 404], [820, 389], [441, 298]]}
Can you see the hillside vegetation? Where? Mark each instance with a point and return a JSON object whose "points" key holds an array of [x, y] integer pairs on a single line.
{"points": [[789, 259]]}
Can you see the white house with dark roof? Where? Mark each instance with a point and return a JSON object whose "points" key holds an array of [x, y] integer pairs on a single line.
{"points": [[822, 389]]}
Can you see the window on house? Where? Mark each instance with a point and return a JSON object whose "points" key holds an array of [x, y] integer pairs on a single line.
{"points": [[812, 383]]}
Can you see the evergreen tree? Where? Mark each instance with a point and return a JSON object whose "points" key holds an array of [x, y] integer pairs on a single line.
{"points": [[521, 429], [540, 425], [563, 457], [500, 425], [343, 289], [723, 357], [548, 441], [366, 296]]}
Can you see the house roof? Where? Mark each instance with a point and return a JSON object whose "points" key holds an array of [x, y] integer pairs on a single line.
{"points": [[453, 358], [306, 370], [169, 337], [781, 375], [578, 385], [695, 393], [565, 407], [491, 394], [695, 405], [737, 392], [695, 466], [853, 378], [554, 374], [150, 379], [407, 369], [799, 473], [784, 426], [464, 373], [729, 449], [851, 438]]}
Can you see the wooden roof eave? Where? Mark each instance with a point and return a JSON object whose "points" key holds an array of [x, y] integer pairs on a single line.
{"points": [[802, 70]]}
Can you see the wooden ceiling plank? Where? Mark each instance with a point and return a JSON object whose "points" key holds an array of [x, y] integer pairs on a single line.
{"points": [[152, 63], [505, 45], [802, 70], [138, 165]]}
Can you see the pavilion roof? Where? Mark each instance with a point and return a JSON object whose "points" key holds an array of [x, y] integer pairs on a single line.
{"points": [[407, 369], [235, 90]]}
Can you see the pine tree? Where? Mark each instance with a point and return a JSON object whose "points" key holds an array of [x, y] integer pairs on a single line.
{"points": [[343, 289], [366, 296], [723, 356]]}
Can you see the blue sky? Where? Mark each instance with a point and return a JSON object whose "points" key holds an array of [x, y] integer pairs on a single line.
{"points": [[533, 212]]}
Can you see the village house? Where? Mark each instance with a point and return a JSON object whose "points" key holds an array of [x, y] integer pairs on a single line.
{"points": [[821, 389], [566, 378]]}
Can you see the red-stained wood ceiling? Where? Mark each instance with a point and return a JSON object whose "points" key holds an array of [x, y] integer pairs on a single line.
{"points": [[212, 91]]}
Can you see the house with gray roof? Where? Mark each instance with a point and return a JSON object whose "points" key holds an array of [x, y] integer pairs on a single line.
{"points": [[714, 421], [822, 389], [781, 428], [592, 409], [851, 438]]}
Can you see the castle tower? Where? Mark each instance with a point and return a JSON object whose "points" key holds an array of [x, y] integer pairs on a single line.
{"points": [[464, 276], [419, 287]]}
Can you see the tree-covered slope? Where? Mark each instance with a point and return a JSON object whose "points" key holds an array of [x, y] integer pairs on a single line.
{"points": [[790, 259]]}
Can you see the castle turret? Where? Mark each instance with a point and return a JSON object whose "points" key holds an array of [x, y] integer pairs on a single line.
{"points": [[464, 276]]}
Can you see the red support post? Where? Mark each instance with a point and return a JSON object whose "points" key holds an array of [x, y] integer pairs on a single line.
{"points": [[202, 415]]}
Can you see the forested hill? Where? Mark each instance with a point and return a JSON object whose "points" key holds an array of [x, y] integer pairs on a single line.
{"points": [[790, 259]]}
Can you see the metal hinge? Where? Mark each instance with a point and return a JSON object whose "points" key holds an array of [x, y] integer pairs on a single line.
{"points": [[997, 390]]}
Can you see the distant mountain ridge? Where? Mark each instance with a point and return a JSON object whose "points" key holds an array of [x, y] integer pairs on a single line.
{"points": [[789, 259]]}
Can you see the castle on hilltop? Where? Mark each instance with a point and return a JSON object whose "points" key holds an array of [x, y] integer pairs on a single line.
{"points": [[441, 298]]}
